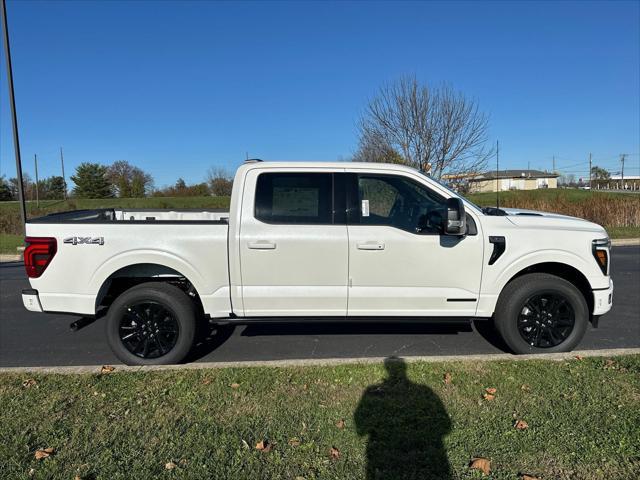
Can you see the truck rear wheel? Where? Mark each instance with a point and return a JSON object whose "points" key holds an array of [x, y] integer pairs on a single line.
{"points": [[541, 313], [151, 324]]}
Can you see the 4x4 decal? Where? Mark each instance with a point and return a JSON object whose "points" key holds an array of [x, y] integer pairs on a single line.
{"points": [[84, 240]]}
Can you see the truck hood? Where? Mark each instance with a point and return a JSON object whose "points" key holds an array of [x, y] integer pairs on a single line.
{"points": [[547, 220]]}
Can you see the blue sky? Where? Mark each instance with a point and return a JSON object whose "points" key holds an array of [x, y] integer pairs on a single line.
{"points": [[177, 87]]}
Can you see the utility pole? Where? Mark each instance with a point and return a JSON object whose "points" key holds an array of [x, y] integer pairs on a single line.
{"points": [[497, 174], [14, 118], [35, 159], [622, 157], [64, 179], [554, 165], [589, 171]]}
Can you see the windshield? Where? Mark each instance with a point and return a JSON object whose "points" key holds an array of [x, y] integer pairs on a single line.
{"points": [[456, 194]]}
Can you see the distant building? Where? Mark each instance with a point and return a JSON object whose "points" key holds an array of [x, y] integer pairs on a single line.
{"points": [[513, 180]]}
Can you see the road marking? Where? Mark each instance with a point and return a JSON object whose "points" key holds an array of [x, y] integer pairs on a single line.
{"points": [[611, 352]]}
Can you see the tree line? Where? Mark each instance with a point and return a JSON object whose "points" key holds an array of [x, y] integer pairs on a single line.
{"points": [[120, 179]]}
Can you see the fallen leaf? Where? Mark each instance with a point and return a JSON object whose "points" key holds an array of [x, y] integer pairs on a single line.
{"points": [[294, 442], [491, 390], [264, 446], [609, 364], [482, 464], [340, 424], [524, 476], [578, 357], [170, 465], [245, 444], [44, 453], [488, 396], [107, 369], [31, 472], [447, 378], [235, 385], [77, 477], [206, 381], [334, 453], [521, 425], [30, 382]]}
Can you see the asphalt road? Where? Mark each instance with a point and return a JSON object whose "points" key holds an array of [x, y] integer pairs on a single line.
{"points": [[35, 339]]}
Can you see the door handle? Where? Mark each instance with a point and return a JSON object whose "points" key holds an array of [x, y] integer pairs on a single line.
{"points": [[262, 245], [370, 246]]}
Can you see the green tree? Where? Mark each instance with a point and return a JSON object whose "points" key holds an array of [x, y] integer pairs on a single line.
{"points": [[53, 188], [129, 181], [5, 190], [598, 173], [91, 181]]}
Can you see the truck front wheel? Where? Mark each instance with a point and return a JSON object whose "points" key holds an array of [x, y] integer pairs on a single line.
{"points": [[151, 324], [540, 313]]}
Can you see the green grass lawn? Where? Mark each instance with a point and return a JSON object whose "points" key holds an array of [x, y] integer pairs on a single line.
{"points": [[9, 243], [344, 422]]}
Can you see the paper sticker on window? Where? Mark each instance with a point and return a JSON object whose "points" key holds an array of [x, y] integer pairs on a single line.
{"points": [[365, 208]]}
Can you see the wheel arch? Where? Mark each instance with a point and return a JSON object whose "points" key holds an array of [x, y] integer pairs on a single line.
{"points": [[561, 270], [131, 275]]}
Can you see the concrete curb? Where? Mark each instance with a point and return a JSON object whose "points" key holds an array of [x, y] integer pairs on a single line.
{"points": [[624, 242], [5, 258], [88, 369]]}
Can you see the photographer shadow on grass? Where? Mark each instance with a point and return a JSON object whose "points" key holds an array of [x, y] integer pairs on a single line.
{"points": [[405, 423]]}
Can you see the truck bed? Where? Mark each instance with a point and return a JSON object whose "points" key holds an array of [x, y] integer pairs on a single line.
{"points": [[95, 246], [111, 215]]}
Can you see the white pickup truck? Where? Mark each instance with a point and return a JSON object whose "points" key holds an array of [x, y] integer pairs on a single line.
{"points": [[310, 241]]}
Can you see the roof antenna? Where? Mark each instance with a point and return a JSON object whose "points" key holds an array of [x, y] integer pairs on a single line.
{"points": [[497, 175]]}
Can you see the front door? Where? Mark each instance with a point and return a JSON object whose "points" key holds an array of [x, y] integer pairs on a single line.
{"points": [[400, 263], [293, 244]]}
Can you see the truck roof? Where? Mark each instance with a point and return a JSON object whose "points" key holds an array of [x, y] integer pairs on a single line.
{"points": [[337, 165]]}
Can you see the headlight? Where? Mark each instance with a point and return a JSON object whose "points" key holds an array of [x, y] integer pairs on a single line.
{"points": [[600, 249]]}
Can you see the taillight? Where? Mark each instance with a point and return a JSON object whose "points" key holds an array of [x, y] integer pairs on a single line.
{"points": [[38, 253]]}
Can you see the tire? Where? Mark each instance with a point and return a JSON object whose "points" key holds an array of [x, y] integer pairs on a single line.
{"points": [[158, 314], [526, 329]]}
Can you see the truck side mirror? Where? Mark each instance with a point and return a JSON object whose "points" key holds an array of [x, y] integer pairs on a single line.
{"points": [[455, 221]]}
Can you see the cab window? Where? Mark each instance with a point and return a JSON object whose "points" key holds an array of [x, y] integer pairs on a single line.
{"points": [[294, 198], [401, 203]]}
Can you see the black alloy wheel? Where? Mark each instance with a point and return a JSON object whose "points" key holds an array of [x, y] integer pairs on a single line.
{"points": [[149, 329], [546, 320], [153, 323]]}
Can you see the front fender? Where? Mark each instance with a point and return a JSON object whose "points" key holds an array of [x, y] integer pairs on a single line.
{"points": [[530, 259]]}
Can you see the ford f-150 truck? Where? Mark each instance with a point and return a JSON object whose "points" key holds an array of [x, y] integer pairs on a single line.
{"points": [[311, 241]]}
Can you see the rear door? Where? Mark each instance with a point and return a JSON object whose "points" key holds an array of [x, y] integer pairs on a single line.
{"points": [[400, 263], [293, 244]]}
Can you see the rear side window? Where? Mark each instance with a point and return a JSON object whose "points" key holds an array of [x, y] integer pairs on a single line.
{"points": [[294, 198]]}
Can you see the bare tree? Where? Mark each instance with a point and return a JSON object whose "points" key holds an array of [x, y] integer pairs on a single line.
{"points": [[374, 148], [220, 182], [434, 129]]}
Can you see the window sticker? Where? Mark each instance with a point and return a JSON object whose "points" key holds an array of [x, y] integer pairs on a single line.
{"points": [[295, 201], [365, 208]]}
